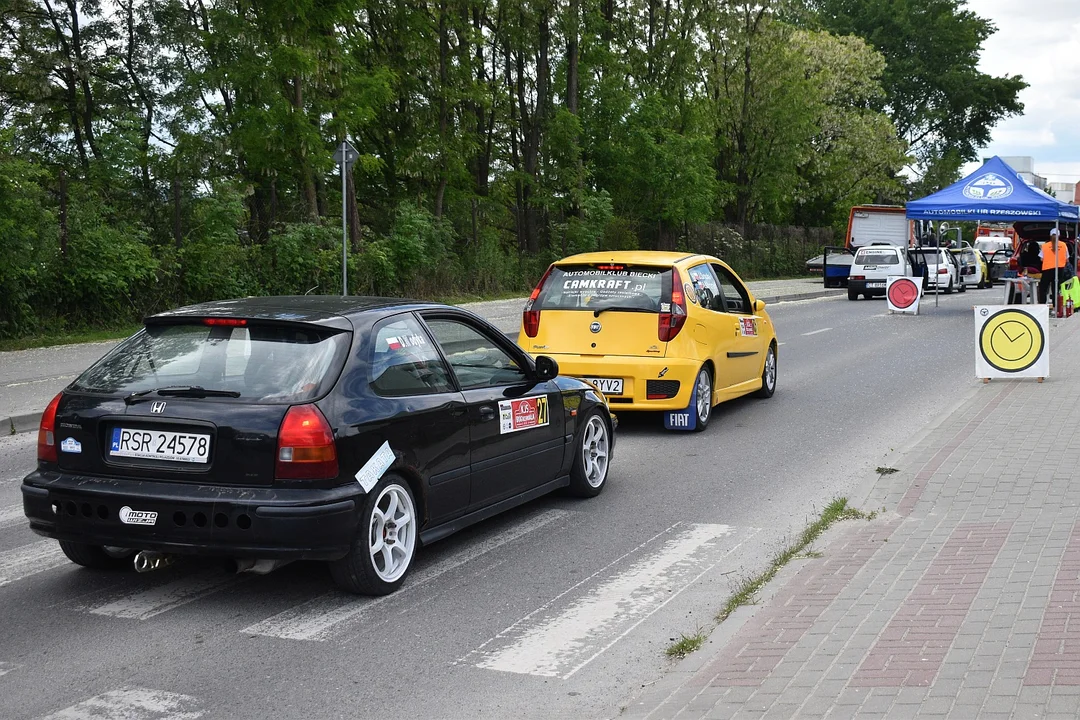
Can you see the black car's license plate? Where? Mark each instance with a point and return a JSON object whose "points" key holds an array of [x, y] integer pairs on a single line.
{"points": [[160, 445]]}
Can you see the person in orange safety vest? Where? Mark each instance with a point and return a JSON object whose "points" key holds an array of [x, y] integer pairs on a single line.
{"points": [[1054, 254]]}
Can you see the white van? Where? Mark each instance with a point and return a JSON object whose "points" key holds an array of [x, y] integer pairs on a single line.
{"points": [[872, 266]]}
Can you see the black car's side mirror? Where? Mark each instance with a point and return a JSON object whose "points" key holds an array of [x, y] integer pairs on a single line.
{"points": [[546, 368]]}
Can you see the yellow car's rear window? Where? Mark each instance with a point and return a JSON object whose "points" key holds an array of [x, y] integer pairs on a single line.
{"points": [[613, 286]]}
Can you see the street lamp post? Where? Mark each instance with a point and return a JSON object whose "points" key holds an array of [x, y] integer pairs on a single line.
{"points": [[345, 156]]}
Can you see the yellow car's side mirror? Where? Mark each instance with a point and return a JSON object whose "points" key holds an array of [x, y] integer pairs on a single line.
{"points": [[759, 305]]}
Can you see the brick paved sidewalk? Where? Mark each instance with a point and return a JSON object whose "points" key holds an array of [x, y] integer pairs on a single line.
{"points": [[961, 599]]}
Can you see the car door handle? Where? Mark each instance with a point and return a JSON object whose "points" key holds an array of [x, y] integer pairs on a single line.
{"points": [[486, 413]]}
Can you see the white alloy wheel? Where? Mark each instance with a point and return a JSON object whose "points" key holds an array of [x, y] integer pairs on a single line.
{"points": [[704, 397], [595, 448], [392, 533]]}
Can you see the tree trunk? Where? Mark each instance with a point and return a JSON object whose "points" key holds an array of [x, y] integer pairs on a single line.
{"points": [[63, 213], [572, 58], [444, 119], [178, 238], [353, 210]]}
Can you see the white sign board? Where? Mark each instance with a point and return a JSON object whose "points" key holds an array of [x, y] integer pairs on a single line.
{"points": [[1012, 341], [903, 294]]}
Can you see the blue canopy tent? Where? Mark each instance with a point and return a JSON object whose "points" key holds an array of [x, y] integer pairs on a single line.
{"points": [[996, 193]]}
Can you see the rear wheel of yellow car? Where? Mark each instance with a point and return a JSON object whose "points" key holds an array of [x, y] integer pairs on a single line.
{"points": [[768, 374], [703, 398]]}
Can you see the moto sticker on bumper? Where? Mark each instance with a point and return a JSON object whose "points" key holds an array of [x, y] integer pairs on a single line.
{"points": [[522, 414], [137, 517]]}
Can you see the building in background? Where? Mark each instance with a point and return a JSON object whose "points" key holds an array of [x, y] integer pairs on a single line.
{"points": [[1024, 165], [1068, 192]]}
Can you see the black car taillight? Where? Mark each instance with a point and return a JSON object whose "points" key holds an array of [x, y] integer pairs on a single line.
{"points": [[306, 449], [46, 439], [670, 323], [530, 319]]}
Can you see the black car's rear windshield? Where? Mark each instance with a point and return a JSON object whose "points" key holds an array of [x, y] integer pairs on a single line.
{"points": [[263, 363], [598, 287]]}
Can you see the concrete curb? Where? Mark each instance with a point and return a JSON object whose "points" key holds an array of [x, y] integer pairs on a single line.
{"points": [[27, 422], [799, 296]]}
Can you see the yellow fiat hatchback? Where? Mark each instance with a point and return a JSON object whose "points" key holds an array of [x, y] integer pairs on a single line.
{"points": [[654, 331]]}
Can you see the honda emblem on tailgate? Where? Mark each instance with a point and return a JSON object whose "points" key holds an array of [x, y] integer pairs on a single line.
{"points": [[158, 407]]}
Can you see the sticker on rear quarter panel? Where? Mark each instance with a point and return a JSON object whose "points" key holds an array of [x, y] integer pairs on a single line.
{"points": [[522, 414], [374, 468]]}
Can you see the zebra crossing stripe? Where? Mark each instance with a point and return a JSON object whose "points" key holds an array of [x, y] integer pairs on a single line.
{"points": [[12, 515], [133, 704], [317, 618], [27, 560], [558, 644], [156, 600]]}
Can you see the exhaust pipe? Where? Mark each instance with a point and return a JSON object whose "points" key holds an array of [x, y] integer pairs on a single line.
{"points": [[147, 560]]}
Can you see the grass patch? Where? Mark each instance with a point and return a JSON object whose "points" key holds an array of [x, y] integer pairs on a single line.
{"points": [[67, 338], [836, 511], [881, 470], [685, 645]]}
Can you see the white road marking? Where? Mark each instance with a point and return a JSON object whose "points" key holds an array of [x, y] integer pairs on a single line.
{"points": [[316, 618], [133, 704], [30, 560], [148, 603], [815, 332], [562, 644], [6, 667], [12, 515], [37, 381], [781, 344]]}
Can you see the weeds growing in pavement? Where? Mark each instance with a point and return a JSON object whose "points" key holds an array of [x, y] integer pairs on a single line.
{"points": [[881, 470], [747, 588], [685, 645]]}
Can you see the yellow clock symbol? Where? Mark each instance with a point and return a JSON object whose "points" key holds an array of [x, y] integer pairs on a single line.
{"points": [[1011, 340]]}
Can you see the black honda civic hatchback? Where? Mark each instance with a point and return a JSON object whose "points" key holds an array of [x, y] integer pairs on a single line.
{"points": [[344, 429]]}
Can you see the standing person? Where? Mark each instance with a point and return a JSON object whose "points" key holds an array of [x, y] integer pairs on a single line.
{"points": [[1055, 261]]}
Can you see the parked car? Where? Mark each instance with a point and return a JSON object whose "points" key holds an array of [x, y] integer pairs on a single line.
{"points": [[350, 430], [939, 267], [872, 266], [997, 253], [654, 331], [973, 270]]}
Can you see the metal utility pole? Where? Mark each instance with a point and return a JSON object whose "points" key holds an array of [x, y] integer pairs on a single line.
{"points": [[345, 156]]}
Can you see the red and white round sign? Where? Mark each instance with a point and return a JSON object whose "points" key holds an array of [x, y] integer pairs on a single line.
{"points": [[903, 292]]}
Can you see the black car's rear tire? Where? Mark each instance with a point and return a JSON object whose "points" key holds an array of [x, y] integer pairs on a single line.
{"points": [[385, 543], [592, 457], [97, 557]]}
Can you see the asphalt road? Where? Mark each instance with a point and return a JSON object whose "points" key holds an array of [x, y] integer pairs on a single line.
{"points": [[559, 609]]}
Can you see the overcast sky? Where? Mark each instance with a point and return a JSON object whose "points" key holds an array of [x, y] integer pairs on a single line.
{"points": [[1040, 40]]}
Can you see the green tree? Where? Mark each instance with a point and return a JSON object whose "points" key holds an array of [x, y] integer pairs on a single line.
{"points": [[935, 95]]}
